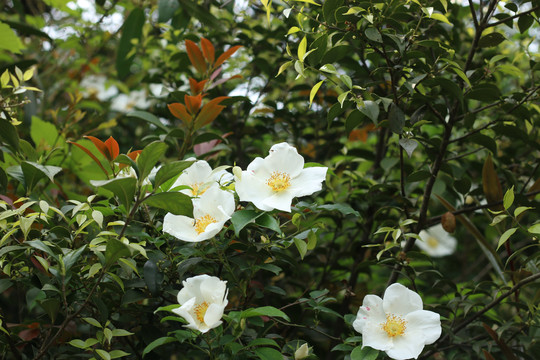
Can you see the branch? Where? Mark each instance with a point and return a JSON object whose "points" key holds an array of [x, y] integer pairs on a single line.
{"points": [[503, 21]]}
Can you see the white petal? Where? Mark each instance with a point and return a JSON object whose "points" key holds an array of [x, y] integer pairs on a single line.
{"points": [[252, 189], [185, 312], [371, 310], [374, 336], [179, 226], [199, 172], [214, 198], [400, 301], [279, 200], [210, 231], [424, 324], [405, 347], [213, 315], [213, 290], [308, 181], [284, 158], [446, 244]]}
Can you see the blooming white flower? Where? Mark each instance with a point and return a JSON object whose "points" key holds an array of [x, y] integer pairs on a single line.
{"points": [[272, 182], [127, 102], [210, 212], [96, 85], [397, 324], [199, 177], [436, 241], [203, 299]]}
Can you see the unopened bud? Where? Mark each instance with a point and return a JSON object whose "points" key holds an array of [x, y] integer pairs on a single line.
{"points": [[448, 222], [302, 352]]}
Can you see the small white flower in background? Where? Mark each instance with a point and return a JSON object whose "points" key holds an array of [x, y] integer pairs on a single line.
{"points": [[203, 299], [96, 85], [200, 177], [436, 241], [126, 172], [128, 102], [210, 212], [302, 352], [272, 182], [397, 324]]}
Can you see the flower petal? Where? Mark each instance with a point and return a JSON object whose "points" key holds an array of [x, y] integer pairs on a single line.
{"points": [[400, 301], [308, 181], [279, 200], [213, 315], [405, 347], [213, 290], [284, 158], [252, 189], [371, 310], [445, 243], [180, 226], [374, 336], [424, 324]]}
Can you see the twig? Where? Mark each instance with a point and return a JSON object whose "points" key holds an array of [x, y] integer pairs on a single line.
{"points": [[503, 21]]}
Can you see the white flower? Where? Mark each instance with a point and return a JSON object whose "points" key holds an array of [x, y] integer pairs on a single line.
{"points": [[203, 299], [302, 352], [127, 102], [199, 177], [436, 241], [397, 324], [210, 212], [272, 182], [96, 85]]}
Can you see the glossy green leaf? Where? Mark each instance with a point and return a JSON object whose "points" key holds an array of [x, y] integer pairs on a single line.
{"points": [[265, 311], [170, 170], [149, 157], [115, 250], [174, 202], [131, 29], [122, 188]]}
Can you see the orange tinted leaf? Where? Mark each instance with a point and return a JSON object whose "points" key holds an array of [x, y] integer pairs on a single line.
{"points": [[91, 155], [197, 87], [134, 154], [100, 145], [227, 54], [193, 103], [179, 111], [208, 50], [209, 112], [112, 148], [195, 56]]}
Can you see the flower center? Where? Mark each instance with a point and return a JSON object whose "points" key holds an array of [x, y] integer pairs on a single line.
{"points": [[394, 325], [196, 189], [202, 222], [432, 242], [200, 311], [279, 181]]}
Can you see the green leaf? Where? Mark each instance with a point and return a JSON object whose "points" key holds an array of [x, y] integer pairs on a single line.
{"points": [[264, 311], [78, 344], [440, 17], [268, 221], [103, 354], [314, 90], [152, 277], [535, 229], [329, 68], [409, 145], [329, 10], [121, 332], [396, 119], [242, 218], [263, 342], [174, 202], [148, 117], [166, 10], [365, 353], [9, 135], [371, 110], [72, 256], [302, 49], [343, 208], [40, 245], [157, 343], [525, 22], [114, 250], [93, 322], [170, 170], [284, 67], [508, 199], [521, 209], [373, 35], [301, 245], [131, 29], [43, 133], [265, 353], [123, 188], [115, 354], [505, 236], [149, 157], [10, 41], [491, 40]]}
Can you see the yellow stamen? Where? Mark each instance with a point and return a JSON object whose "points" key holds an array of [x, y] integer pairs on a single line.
{"points": [[202, 222], [200, 311], [198, 189], [432, 242], [394, 325], [279, 181]]}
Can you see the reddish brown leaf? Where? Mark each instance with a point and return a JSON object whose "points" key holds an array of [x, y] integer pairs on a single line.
{"points": [[448, 222], [208, 50], [112, 148], [100, 145], [209, 112], [227, 54], [491, 184], [487, 355], [132, 155], [195, 56], [197, 87], [193, 103], [179, 111], [91, 155]]}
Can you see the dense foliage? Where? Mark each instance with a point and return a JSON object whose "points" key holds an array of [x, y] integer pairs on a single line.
{"points": [[425, 113]]}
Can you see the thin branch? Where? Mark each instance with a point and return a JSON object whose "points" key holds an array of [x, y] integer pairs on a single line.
{"points": [[503, 21], [473, 14]]}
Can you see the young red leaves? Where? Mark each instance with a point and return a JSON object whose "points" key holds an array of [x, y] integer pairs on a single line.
{"points": [[205, 60]]}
